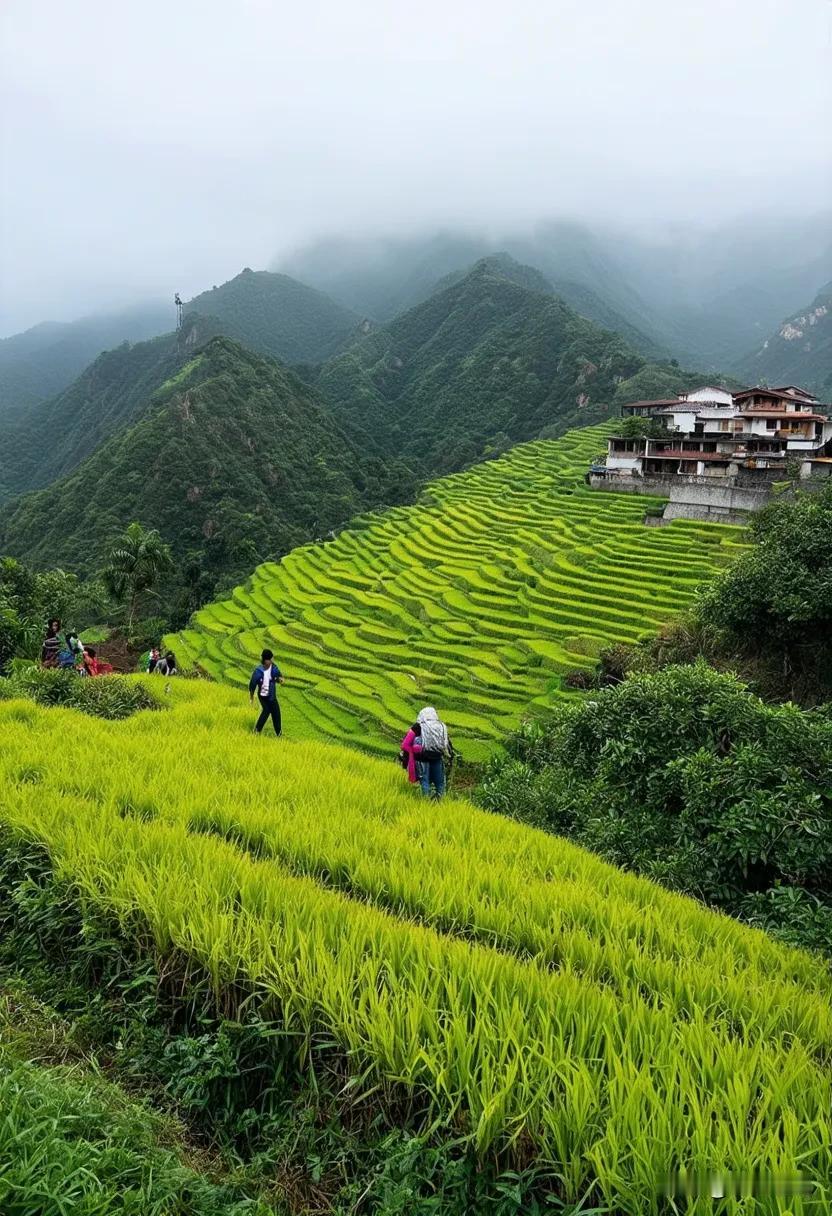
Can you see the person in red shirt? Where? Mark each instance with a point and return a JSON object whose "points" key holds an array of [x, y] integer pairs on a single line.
{"points": [[95, 666]]}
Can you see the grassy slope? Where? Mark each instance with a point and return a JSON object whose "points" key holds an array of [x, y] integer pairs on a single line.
{"points": [[73, 1142], [476, 600], [534, 998]]}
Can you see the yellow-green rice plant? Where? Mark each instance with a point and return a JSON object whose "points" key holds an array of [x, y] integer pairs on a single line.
{"points": [[531, 998]]}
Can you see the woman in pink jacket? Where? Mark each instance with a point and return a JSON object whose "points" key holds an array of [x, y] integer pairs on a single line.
{"points": [[412, 748]]}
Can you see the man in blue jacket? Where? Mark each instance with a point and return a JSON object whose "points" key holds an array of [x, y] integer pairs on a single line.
{"points": [[264, 680]]}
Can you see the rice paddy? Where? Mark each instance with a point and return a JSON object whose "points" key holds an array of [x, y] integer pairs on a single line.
{"points": [[477, 600], [535, 1001]]}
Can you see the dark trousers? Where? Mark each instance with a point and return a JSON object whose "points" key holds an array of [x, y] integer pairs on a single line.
{"points": [[269, 708]]}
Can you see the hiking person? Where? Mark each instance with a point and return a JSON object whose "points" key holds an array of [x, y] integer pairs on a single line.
{"points": [[264, 679], [51, 647], [411, 749], [434, 747], [152, 659], [166, 666]]}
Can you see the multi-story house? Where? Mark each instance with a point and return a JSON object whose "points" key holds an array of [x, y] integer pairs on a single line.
{"points": [[744, 441]]}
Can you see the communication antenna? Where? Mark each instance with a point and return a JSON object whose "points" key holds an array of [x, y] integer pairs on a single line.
{"points": [[179, 309]]}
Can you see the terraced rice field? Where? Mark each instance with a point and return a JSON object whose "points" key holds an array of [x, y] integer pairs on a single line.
{"points": [[476, 600], [507, 988]]}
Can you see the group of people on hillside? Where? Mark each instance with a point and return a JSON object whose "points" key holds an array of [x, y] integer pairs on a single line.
{"points": [[426, 750], [68, 653]]}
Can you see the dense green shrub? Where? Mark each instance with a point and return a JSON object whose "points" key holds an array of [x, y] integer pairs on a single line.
{"points": [[687, 777], [777, 597], [105, 697]]}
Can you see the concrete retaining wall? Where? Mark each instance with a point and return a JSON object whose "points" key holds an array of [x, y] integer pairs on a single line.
{"points": [[721, 504]]}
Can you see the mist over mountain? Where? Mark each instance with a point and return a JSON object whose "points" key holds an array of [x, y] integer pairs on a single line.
{"points": [[702, 296], [278, 316], [39, 362], [799, 351]]}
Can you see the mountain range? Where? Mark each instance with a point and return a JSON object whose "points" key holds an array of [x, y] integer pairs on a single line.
{"points": [[232, 458], [706, 298], [236, 459], [490, 359], [270, 313], [208, 435], [38, 363]]}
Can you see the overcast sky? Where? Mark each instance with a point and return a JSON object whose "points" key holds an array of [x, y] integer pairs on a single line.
{"points": [[155, 145]]}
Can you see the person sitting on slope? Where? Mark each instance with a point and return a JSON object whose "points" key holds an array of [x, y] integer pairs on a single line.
{"points": [[95, 666], [51, 647], [166, 666]]}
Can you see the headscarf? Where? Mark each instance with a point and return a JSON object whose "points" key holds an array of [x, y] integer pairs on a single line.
{"points": [[434, 732]]}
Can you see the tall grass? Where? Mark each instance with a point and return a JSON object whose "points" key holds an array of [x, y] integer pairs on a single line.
{"points": [[531, 998]]}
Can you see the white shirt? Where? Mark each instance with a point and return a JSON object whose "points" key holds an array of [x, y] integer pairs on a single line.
{"points": [[266, 682]]}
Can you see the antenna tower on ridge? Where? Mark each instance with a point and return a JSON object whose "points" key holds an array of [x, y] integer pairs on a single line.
{"points": [[179, 309]]}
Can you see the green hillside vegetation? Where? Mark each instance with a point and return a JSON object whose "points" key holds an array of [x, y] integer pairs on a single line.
{"points": [[53, 437], [686, 777], [478, 599], [800, 352], [538, 1010], [268, 313], [275, 315], [233, 459], [492, 359], [72, 1142], [38, 363]]}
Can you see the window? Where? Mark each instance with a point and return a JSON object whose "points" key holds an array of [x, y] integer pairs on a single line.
{"points": [[771, 424]]}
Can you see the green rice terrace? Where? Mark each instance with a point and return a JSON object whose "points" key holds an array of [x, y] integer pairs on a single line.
{"points": [[478, 599]]}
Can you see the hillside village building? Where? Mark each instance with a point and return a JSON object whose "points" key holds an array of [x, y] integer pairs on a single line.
{"points": [[720, 452]]}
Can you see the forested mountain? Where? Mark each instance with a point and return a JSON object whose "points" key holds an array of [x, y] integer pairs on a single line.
{"points": [[270, 313], [40, 362], [800, 351], [383, 278], [235, 460], [51, 438], [702, 296], [480, 365], [275, 315]]}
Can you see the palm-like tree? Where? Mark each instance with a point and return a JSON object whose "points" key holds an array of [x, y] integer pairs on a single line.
{"points": [[136, 563]]}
